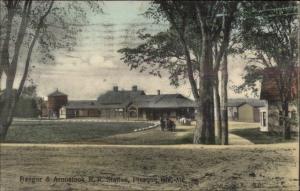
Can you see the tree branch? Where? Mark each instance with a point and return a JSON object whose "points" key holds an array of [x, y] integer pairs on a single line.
{"points": [[4, 60], [27, 63], [22, 29], [226, 28], [186, 51]]}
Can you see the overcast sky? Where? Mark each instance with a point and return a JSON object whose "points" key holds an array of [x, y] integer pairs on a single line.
{"points": [[94, 66]]}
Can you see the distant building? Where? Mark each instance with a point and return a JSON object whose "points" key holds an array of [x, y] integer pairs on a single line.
{"points": [[271, 116], [56, 100], [244, 110], [152, 107], [81, 108], [115, 103], [131, 104]]}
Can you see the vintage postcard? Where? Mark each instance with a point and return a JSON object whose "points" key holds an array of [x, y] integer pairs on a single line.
{"points": [[149, 95]]}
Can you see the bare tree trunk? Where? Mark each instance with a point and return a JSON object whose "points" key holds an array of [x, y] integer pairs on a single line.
{"points": [[286, 124], [200, 131], [11, 96], [224, 100], [217, 111], [6, 113], [204, 131], [4, 59], [211, 117], [7, 98], [206, 92], [201, 124], [210, 79]]}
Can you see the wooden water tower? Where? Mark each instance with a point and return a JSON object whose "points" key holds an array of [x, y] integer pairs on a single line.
{"points": [[56, 100]]}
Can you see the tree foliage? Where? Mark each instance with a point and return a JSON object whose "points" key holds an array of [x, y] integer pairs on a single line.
{"points": [[192, 48], [162, 52], [269, 33], [269, 36], [33, 29]]}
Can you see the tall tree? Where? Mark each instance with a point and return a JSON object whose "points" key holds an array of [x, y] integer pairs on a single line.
{"points": [[269, 31], [26, 25], [220, 48], [198, 30]]}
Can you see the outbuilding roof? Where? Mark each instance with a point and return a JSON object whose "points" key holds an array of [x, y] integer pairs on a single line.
{"points": [[82, 104], [241, 101]]}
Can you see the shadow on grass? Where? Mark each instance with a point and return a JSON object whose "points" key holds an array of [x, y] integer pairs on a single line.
{"points": [[257, 137], [181, 130], [163, 138], [186, 139]]}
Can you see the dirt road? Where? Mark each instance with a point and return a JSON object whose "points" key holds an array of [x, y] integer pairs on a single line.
{"points": [[149, 167]]}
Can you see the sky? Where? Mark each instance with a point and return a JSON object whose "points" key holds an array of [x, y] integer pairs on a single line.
{"points": [[95, 66]]}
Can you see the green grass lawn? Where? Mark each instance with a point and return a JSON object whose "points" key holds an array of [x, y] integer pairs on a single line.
{"points": [[58, 131], [121, 133], [257, 137]]}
